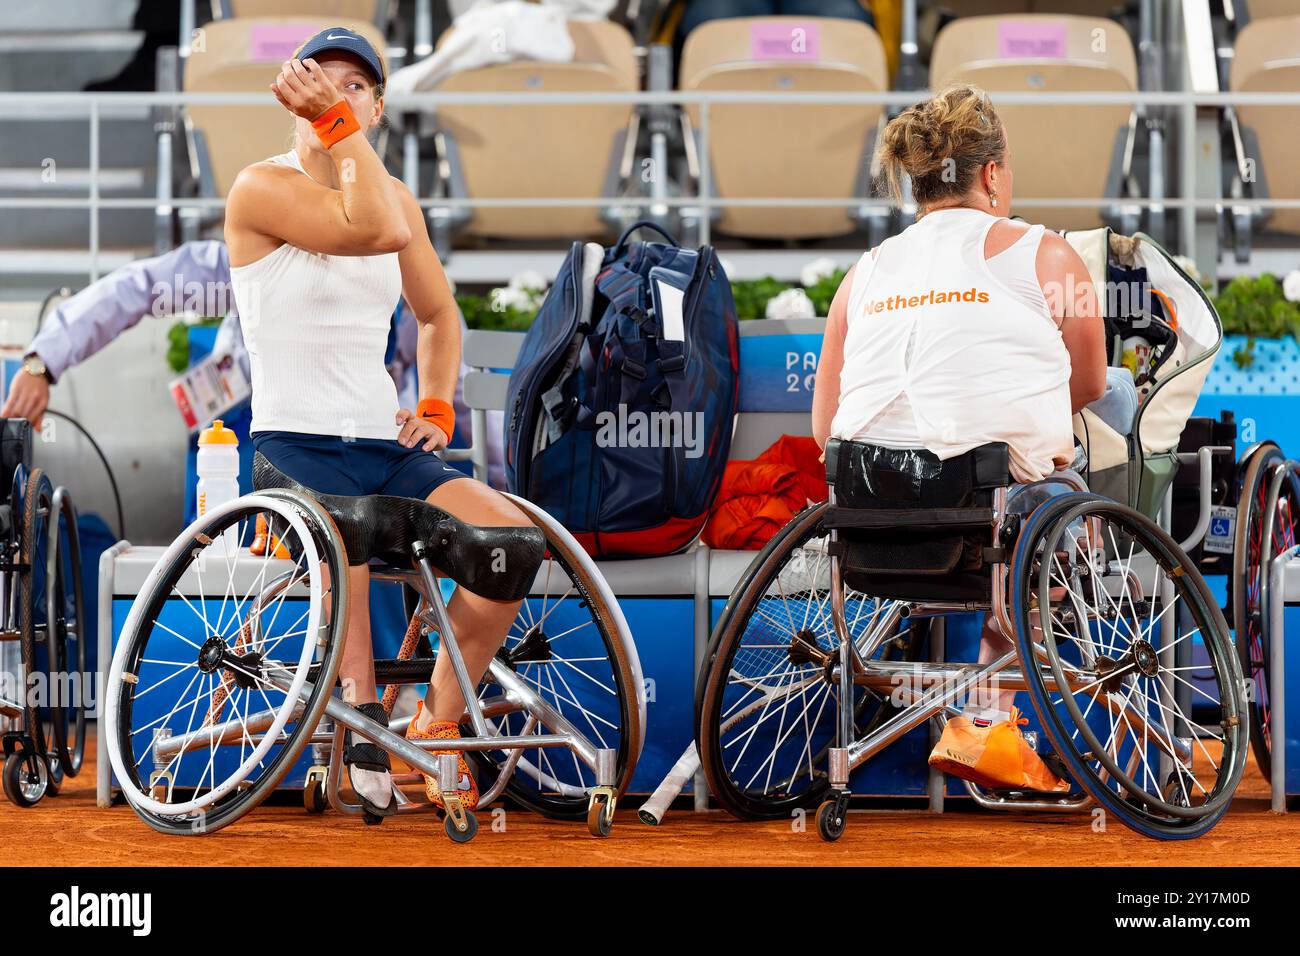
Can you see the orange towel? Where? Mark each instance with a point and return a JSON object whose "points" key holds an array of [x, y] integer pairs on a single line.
{"points": [[759, 497]]}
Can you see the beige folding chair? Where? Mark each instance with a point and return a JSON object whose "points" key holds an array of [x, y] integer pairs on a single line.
{"points": [[1267, 59], [770, 150], [244, 55], [984, 8], [523, 149], [1265, 9], [1075, 152], [369, 10]]}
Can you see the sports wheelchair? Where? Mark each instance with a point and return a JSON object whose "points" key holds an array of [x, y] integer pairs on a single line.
{"points": [[42, 605], [211, 700], [817, 663]]}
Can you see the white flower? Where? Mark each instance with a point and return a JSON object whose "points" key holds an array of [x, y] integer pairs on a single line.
{"points": [[509, 298], [1291, 286], [815, 271], [791, 304], [529, 280]]}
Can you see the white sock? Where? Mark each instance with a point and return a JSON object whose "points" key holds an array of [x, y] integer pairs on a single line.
{"points": [[375, 785]]}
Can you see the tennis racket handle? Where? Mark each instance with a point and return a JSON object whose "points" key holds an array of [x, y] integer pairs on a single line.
{"points": [[682, 772]]}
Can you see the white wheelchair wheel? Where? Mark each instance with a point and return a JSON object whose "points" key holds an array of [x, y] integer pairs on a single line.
{"points": [[216, 687]]}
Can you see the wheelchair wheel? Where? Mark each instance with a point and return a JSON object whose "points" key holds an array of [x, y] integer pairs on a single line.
{"points": [[570, 643], [1101, 598], [71, 683], [767, 708], [33, 634], [1253, 549], [223, 669]]}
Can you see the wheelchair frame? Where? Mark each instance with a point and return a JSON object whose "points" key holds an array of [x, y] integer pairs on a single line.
{"points": [[431, 614], [954, 680]]}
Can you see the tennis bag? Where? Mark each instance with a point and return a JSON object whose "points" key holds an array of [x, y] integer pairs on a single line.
{"points": [[620, 408]]}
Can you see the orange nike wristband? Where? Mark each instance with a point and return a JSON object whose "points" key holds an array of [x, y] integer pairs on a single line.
{"points": [[335, 123], [438, 412]]}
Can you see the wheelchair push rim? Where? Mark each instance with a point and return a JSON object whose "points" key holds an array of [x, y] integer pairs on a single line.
{"points": [[767, 671], [1113, 650], [66, 622], [580, 661], [1266, 526], [230, 660], [35, 505]]}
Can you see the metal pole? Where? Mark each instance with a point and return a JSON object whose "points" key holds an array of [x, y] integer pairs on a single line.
{"points": [[706, 178], [1187, 185], [94, 190], [423, 29], [187, 28], [936, 782]]}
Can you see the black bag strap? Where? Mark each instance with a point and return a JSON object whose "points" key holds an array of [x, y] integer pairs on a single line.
{"points": [[641, 224]]}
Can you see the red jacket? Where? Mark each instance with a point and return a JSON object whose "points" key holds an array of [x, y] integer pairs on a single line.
{"points": [[759, 497]]}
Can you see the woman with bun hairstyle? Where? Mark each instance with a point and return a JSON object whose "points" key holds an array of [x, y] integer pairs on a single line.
{"points": [[323, 243], [966, 328]]}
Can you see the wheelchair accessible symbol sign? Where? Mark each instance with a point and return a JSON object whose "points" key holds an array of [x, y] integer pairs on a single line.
{"points": [[1223, 523]]}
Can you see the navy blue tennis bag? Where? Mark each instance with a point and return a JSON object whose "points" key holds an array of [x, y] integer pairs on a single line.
{"points": [[620, 408]]}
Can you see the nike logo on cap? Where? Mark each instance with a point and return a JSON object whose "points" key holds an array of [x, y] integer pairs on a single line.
{"points": [[343, 37]]}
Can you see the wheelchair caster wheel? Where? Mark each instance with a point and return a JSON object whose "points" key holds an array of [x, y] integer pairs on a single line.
{"points": [[21, 786], [600, 812], [313, 797], [833, 817], [465, 831]]}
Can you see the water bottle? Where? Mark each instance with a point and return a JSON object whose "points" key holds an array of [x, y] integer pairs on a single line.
{"points": [[218, 468]]}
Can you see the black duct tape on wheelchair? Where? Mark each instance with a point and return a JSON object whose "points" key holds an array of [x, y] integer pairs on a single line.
{"points": [[903, 512], [498, 563]]}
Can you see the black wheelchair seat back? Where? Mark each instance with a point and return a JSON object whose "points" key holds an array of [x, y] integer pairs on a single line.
{"points": [[498, 563], [910, 526]]}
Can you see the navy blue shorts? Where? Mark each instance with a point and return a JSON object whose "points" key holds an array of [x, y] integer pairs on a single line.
{"points": [[359, 466]]}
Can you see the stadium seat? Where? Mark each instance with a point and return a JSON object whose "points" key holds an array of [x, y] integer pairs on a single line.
{"points": [[527, 150], [369, 10], [244, 55], [984, 8], [766, 150], [1043, 53], [1251, 10], [1265, 61]]}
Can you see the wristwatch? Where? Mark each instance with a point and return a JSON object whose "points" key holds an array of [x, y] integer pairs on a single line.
{"points": [[33, 364]]}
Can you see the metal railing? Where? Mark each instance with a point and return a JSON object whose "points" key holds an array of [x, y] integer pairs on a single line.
{"points": [[97, 106]]}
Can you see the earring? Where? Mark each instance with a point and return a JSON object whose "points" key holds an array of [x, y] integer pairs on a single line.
{"points": [[993, 200]]}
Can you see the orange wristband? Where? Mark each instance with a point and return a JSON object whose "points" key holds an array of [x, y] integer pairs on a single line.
{"points": [[335, 123], [439, 412]]}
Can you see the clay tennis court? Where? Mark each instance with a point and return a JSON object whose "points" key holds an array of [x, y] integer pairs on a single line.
{"points": [[70, 831]]}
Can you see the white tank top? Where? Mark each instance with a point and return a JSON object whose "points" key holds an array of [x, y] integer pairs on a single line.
{"points": [[942, 352], [316, 327]]}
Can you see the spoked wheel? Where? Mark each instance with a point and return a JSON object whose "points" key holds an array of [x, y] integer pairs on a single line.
{"points": [[1266, 526], [1118, 625], [571, 646], [223, 670], [70, 683], [34, 634], [767, 706]]}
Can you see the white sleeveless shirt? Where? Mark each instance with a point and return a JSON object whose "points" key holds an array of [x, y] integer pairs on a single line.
{"points": [[316, 327], [944, 353]]}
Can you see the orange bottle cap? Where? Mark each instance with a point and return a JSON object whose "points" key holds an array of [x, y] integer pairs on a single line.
{"points": [[218, 434]]}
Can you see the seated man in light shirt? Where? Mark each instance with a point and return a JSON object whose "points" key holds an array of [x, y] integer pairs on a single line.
{"points": [[80, 326]]}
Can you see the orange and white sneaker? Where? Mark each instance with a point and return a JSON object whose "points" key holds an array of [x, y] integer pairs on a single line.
{"points": [[994, 756], [445, 730]]}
